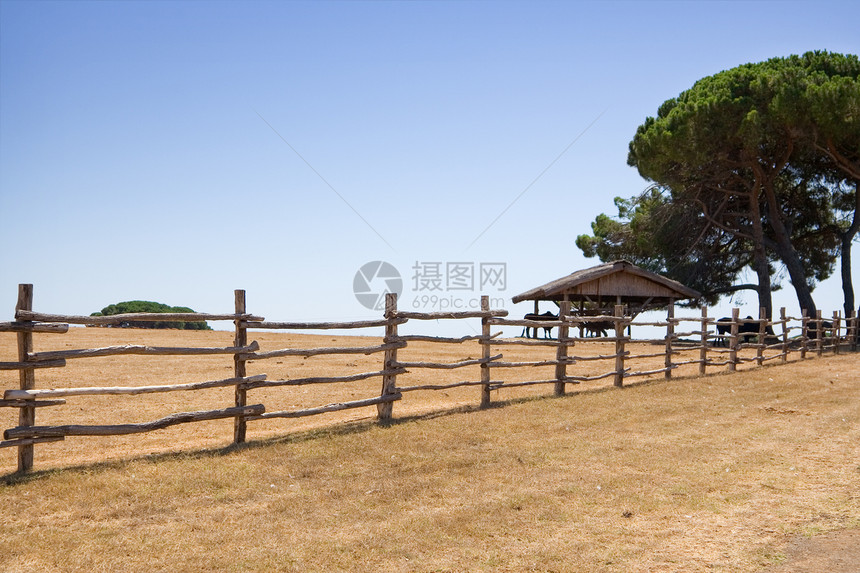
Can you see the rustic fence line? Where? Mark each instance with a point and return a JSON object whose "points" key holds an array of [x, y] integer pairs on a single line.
{"points": [[736, 334]]}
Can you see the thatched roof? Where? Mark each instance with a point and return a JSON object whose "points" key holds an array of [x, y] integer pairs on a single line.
{"points": [[618, 282]]}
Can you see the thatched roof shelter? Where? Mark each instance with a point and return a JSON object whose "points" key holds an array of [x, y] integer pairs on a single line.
{"points": [[604, 286]]}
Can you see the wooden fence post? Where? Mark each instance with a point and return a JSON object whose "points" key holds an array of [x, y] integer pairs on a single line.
{"points": [[837, 326], [762, 332], [619, 346], [819, 334], [703, 351], [733, 340], [784, 320], [26, 376], [852, 329], [240, 425], [670, 334], [389, 381], [804, 334], [561, 352], [485, 353]]}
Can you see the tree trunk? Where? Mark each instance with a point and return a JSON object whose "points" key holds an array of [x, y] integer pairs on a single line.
{"points": [[847, 285], [798, 277], [760, 265], [786, 250], [845, 254]]}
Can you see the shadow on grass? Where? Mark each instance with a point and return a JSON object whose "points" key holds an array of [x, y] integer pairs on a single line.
{"points": [[351, 427], [339, 429]]}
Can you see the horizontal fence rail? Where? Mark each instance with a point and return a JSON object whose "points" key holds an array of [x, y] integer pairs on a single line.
{"points": [[704, 342], [121, 429], [118, 319]]}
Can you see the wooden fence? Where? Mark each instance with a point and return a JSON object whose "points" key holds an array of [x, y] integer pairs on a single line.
{"points": [[812, 336]]}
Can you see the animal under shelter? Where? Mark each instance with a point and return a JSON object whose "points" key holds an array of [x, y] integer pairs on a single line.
{"points": [[596, 290]]}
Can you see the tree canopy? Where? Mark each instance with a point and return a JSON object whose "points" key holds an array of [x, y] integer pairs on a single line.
{"points": [[670, 238], [757, 165], [134, 306]]}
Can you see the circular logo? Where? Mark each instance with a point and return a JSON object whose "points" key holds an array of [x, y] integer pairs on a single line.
{"points": [[373, 281]]}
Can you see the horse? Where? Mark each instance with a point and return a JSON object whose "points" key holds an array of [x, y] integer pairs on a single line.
{"points": [[542, 317], [598, 329], [746, 330]]}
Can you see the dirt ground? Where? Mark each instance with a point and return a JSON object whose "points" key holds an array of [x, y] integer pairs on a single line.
{"points": [[837, 552], [812, 550]]}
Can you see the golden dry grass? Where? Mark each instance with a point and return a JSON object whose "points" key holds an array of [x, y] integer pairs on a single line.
{"points": [[154, 370], [694, 474]]}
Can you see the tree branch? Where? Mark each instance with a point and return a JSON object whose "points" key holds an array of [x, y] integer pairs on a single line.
{"points": [[841, 161]]}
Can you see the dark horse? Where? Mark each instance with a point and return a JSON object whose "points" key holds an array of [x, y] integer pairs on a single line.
{"points": [[599, 328], [543, 317], [746, 330]]}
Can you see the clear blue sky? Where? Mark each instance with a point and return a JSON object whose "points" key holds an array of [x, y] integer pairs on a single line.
{"points": [[175, 151]]}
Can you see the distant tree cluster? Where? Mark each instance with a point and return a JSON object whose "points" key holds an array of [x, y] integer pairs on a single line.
{"points": [[756, 167], [134, 306]]}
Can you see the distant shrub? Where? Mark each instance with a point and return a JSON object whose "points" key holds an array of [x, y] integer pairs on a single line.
{"points": [[133, 306]]}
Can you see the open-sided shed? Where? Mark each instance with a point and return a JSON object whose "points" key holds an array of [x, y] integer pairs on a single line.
{"points": [[604, 286]]}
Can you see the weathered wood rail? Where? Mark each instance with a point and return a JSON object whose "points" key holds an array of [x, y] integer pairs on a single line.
{"points": [[804, 336]]}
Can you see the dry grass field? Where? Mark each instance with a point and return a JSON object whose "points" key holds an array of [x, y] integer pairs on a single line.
{"points": [[721, 473]]}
